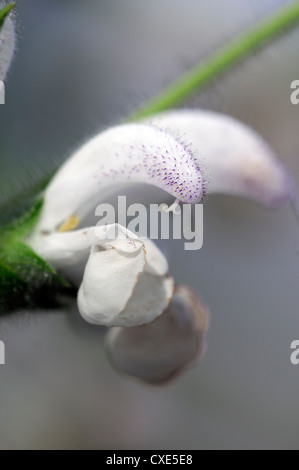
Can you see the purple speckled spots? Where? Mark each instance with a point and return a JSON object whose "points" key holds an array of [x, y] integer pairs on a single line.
{"points": [[170, 166], [131, 153]]}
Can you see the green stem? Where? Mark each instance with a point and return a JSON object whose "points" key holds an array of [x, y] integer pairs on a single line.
{"points": [[233, 53], [5, 12]]}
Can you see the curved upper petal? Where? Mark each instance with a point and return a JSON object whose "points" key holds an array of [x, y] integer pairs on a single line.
{"points": [[234, 158]]}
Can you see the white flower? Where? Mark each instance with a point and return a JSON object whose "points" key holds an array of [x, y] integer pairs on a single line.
{"points": [[7, 45], [120, 286], [125, 282]]}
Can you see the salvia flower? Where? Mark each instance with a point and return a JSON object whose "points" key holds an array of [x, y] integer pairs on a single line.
{"points": [[125, 281], [132, 153]]}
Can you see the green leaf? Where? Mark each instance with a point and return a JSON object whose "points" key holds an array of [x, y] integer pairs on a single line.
{"points": [[12, 288], [4, 12], [29, 267], [26, 280]]}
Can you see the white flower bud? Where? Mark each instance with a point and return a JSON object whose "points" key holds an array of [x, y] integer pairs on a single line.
{"points": [[157, 353]]}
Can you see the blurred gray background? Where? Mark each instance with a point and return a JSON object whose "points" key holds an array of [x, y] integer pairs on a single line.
{"points": [[79, 67]]}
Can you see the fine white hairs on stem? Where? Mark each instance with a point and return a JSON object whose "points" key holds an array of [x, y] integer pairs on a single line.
{"points": [[7, 45]]}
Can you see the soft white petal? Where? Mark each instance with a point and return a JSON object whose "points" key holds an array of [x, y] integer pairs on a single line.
{"points": [[109, 281], [234, 158], [63, 249], [131, 153], [158, 352], [114, 236], [114, 290], [151, 297], [7, 45], [156, 262]]}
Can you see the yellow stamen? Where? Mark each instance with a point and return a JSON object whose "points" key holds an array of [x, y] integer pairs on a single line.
{"points": [[70, 224]]}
